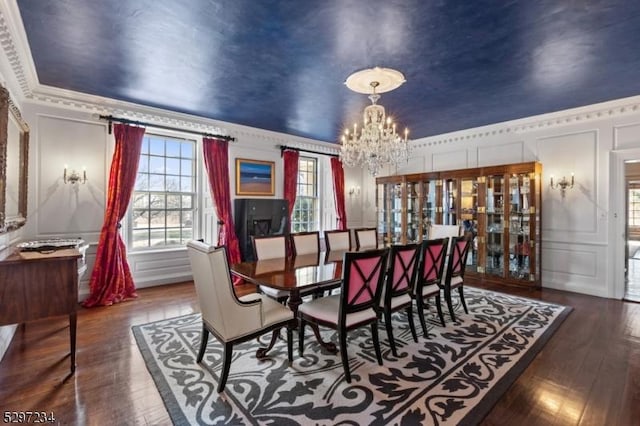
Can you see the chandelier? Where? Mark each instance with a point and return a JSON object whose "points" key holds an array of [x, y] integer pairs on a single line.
{"points": [[378, 143]]}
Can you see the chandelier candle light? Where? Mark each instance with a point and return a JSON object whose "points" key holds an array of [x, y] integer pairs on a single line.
{"points": [[377, 144]]}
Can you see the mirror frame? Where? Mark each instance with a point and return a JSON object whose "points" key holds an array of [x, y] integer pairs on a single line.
{"points": [[13, 222]]}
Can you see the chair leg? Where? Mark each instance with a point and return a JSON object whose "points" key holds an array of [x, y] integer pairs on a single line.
{"points": [[301, 336], [464, 304], [412, 326], [290, 343], [420, 307], [388, 326], [226, 364], [343, 355], [262, 352], [203, 343], [376, 342], [447, 297], [439, 306]]}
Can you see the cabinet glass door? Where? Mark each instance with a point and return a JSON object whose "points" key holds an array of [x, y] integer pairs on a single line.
{"points": [[469, 218], [428, 206], [413, 212], [389, 205], [495, 226], [449, 200], [519, 240]]}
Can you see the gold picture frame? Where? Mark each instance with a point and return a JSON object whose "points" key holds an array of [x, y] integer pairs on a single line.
{"points": [[255, 177]]}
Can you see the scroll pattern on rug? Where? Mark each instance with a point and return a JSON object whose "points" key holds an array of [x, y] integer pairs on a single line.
{"points": [[454, 375]]}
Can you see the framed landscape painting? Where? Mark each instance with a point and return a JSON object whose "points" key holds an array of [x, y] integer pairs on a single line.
{"points": [[255, 177]]}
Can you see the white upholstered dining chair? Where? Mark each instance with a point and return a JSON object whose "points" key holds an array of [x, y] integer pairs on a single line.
{"points": [[229, 318], [305, 243], [337, 240], [267, 248], [366, 238]]}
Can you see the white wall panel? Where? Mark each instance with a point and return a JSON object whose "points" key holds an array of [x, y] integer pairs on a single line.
{"points": [[450, 160], [627, 136], [66, 209], [491, 155], [578, 210]]}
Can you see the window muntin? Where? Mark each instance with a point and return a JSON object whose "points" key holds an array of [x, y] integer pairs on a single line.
{"points": [[162, 209], [305, 209]]}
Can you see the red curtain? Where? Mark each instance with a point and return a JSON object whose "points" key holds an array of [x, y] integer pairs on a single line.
{"points": [[216, 161], [111, 280], [338, 189], [290, 178]]}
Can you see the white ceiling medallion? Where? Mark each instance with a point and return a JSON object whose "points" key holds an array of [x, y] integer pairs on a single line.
{"points": [[388, 79]]}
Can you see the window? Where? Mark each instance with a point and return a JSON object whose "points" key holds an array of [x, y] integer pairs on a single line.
{"points": [[634, 204], [162, 209], [305, 210]]}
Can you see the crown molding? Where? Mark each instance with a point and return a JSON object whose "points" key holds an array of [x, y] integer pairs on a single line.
{"points": [[585, 114], [13, 42]]}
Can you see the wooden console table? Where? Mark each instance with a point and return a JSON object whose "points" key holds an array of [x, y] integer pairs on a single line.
{"points": [[36, 285]]}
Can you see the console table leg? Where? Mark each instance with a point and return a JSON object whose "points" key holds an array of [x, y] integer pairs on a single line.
{"points": [[72, 336]]}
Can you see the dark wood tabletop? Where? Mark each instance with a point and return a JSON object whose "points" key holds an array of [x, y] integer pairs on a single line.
{"points": [[295, 273]]}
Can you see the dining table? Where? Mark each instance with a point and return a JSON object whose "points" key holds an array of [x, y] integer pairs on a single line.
{"points": [[298, 275]]}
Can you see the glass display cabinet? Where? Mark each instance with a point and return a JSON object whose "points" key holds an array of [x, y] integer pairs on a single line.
{"points": [[390, 205], [498, 208]]}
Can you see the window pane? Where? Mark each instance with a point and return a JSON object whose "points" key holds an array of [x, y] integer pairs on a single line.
{"points": [[158, 219], [142, 182], [156, 182], [173, 201], [187, 201], [143, 164], [173, 183], [140, 200], [186, 184], [140, 219], [187, 150], [157, 201], [173, 219], [173, 148], [145, 146], [173, 166], [186, 168], [156, 146], [156, 164], [157, 237]]}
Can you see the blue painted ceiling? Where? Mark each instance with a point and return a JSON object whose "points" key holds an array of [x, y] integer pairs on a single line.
{"points": [[280, 64]]}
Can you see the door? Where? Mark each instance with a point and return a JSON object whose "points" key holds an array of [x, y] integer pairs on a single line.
{"points": [[632, 231]]}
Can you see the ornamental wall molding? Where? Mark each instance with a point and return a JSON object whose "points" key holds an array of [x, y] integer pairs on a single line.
{"points": [[13, 43]]}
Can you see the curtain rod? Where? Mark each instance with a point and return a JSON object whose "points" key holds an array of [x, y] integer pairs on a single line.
{"points": [[284, 147], [111, 119]]}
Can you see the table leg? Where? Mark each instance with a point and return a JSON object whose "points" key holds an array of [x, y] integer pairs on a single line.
{"points": [[72, 339]]}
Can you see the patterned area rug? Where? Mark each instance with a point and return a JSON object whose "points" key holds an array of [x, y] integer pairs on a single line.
{"points": [[454, 376]]}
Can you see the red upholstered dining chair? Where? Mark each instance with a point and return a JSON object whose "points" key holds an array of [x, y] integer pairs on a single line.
{"points": [[366, 238], [266, 248], [454, 278], [337, 240], [229, 318], [396, 293], [355, 306], [429, 280]]}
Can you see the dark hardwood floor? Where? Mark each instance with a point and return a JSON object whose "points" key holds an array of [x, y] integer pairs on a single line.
{"points": [[587, 374]]}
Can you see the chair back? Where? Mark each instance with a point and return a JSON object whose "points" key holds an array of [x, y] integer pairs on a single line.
{"points": [[305, 243], [458, 251], [362, 279], [337, 240], [218, 303], [269, 247], [402, 271], [366, 238], [432, 262]]}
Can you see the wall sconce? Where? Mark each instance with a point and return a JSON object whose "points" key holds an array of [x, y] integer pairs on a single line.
{"points": [[563, 184], [74, 177], [354, 190]]}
